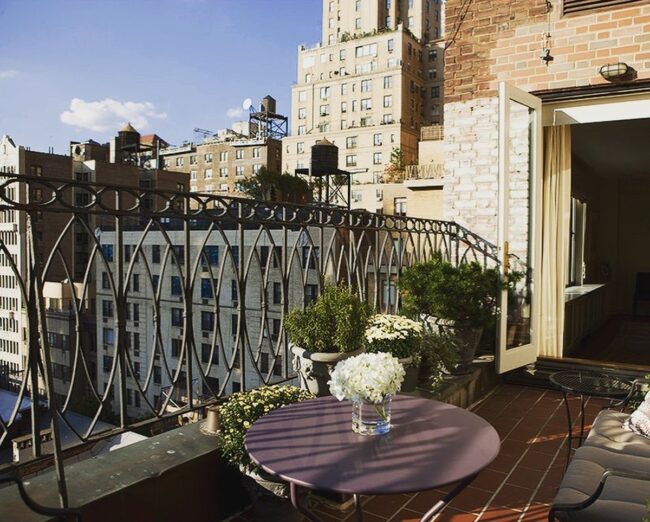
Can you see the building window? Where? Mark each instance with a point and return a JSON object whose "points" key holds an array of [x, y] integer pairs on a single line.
{"points": [[207, 321], [324, 110], [351, 142], [366, 104], [136, 312], [433, 54], [156, 375], [300, 147], [357, 23], [277, 293], [177, 317], [193, 159], [344, 88], [364, 122], [176, 348], [577, 226], [342, 54], [234, 320], [107, 308], [433, 74], [302, 113], [207, 157], [256, 168], [388, 118], [206, 289], [410, 22], [155, 254], [211, 253], [376, 158], [108, 336], [388, 82], [239, 154], [344, 124], [234, 291], [377, 139], [311, 293], [223, 172], [176, 288], [388, 23], [207, 173], [107, 250], [223, 155], [192, 174], [206, 350], [351, 160], [324, 93], [388, 101], [301, 130], [106, 284], [400, 207], [302, 96], [239, 171], [366, 85], [435, 92]]}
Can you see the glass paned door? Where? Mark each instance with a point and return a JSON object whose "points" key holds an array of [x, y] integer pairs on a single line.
{"points": [[520, 171]]}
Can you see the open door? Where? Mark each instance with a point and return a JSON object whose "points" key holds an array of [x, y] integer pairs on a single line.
{"points": [[520, 175]]}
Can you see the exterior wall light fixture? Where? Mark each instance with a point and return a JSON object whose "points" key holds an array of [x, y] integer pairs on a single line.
{"points": [[616, 72]]}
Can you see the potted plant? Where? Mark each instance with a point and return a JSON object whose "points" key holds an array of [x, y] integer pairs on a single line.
{"points": [[462, 298], [329, 330], [268, 493], [439, 355], [400, 337]]}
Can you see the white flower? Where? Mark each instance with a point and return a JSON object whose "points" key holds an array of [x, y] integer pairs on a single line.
{"points": [[369, 376]]}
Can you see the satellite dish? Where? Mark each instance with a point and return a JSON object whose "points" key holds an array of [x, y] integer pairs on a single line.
{"points": [[247, 104]]}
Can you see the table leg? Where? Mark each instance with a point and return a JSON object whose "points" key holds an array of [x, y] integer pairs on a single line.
{"points": [[582, 419], [293, 495], [357, 508], [448, 498], [570, 431]]}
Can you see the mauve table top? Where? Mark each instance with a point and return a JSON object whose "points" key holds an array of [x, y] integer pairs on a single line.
{"points": [[430, 444]]}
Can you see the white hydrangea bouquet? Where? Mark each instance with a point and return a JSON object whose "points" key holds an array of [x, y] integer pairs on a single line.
{"points": [[394, 334], [368, 380]]}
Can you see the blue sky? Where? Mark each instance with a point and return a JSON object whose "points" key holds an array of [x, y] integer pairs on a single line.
{"points": [[72, 69]]}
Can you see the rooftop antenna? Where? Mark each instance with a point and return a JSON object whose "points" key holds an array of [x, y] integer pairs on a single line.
{"points": [[204, 133]]}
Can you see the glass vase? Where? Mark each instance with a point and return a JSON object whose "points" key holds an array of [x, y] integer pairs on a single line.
{"points": [[370, 418]]}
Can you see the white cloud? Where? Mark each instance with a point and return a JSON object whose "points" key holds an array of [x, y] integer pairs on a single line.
{"points": [[8, 73], [109, 114], [235, 112]]}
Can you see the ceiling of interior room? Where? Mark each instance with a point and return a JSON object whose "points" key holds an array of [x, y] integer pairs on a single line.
{"points": [[613, 148]]}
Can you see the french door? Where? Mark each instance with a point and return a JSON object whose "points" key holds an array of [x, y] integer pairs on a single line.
{"points": [[519, 237]]}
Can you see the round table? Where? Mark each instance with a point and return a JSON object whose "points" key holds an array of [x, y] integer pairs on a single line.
{"points": [[591, 384], [431, 444]]}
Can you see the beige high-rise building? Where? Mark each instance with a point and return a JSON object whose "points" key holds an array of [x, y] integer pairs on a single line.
{"points": [[369, 87]]}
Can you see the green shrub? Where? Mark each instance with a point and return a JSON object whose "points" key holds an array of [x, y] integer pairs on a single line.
{"points": [[465, 294], [439, 355], [333, 323]]}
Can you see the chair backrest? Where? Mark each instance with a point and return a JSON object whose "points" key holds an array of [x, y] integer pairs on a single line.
{"points": [[642, 287]]}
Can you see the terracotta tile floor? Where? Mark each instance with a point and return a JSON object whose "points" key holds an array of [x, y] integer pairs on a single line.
{"points": [[518, 486]]}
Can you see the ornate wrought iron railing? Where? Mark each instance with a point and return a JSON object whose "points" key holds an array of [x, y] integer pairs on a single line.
{"points": [[124, 306]]}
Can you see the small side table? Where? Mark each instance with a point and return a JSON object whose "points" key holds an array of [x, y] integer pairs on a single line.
{"points": [[590, 384]]}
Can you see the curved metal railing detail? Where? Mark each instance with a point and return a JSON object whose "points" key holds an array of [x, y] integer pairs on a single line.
{"points": [[139, 304]]}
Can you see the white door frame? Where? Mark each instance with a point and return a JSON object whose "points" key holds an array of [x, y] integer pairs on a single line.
{"points": [[509, 359]]}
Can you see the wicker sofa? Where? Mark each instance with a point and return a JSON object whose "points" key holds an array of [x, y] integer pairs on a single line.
{"points": [[608, 479]]}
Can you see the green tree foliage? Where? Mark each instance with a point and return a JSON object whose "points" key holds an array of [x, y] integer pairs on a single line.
{"points": [[273, 186]]}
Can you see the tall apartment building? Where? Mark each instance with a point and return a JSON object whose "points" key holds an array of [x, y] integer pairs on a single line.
{"points": [[227, 325], [65, 273], [369, 87]]}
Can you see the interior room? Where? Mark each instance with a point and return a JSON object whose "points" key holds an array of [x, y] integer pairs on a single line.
{"points": [[609, 243]]}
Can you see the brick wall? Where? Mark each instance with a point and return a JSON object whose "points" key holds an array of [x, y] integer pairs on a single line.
{"points": [[500, 40]]}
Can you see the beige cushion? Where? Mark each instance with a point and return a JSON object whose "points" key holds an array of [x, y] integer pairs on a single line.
{"points": [[622, 499], [608, 432]]}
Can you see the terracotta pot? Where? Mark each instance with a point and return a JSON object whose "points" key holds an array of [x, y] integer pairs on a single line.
{"points": [[411, 378], [269, 497], [314, 368]]}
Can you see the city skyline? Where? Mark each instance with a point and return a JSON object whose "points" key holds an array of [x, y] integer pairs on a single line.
{"points": [[49, 100]]}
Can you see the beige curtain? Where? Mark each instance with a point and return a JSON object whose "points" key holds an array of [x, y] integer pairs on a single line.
{"points": [[556, 200]]}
